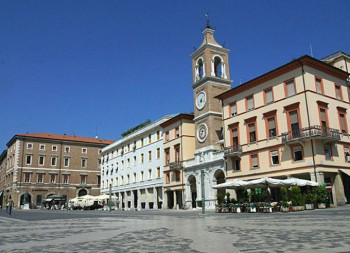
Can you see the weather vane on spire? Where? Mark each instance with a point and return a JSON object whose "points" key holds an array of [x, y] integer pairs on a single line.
{"points": [[208, 20]]}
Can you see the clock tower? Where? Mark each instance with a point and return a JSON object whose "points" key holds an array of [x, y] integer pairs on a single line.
{"points": [[211, 77]]}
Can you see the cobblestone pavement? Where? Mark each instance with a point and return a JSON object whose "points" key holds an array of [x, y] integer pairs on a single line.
{"points": [[319, 231]]}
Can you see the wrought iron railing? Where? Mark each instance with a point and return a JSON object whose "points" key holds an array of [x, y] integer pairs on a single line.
{"points": [[175, 165], [233, 150], [311, 132]]}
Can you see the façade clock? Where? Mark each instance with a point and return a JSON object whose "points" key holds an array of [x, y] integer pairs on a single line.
{"points": [[201, 100], [202, 132]]}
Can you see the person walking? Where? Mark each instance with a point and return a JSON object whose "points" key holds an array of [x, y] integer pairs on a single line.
{"points": [[9, 206]]}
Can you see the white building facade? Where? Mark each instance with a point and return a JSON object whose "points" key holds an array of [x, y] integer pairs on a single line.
{"points": [[132, 168]]}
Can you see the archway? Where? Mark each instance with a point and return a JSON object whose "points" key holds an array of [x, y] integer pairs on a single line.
{"points": [[193, 187], [82, 192], [26, 198], [220, 178]]}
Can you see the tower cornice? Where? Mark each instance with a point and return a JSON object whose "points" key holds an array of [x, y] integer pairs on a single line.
{"points": [[215, 80]]}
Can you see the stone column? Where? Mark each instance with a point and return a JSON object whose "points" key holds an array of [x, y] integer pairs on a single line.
{"points": [[339, 197], [147, 201], [175, 200], [155, 198]]}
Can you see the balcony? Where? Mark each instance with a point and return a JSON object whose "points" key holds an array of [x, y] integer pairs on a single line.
{"points": [[175, 165], [314, 132], [235, 150]]}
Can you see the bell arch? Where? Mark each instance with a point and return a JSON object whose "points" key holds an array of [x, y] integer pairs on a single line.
{"points": [[218, 67]]}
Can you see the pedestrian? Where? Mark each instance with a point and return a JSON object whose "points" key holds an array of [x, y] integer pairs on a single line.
{"points": [[9, 206]]}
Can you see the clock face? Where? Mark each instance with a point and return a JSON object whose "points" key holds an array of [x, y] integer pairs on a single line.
{"points": [[201, 100], [202, 132]]}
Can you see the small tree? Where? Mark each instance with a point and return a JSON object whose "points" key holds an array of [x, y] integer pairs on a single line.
{"points": [[284, 196], [321, 194], [296, 196], [310, 198]]}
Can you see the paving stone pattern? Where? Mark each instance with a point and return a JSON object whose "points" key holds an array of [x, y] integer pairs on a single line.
{"points": [[176, 231]]}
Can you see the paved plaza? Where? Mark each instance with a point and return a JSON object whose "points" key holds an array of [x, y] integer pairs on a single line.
{"points": [[326, 230]]}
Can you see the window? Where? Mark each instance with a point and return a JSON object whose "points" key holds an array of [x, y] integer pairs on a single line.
{"points": [[149, 139], [141, 142], [254, 161], [233, 108], [67, 149], [218, 67], [128, 162], [167, 156], [66, 161], [65, 179], [177, 132], [290, 88], [29, 159], [200, 69], [142, 159], [271, 122], [134, 178], [236, 163], [235, 140], [135, 161], [29, 145], [250, 103], [338, 92], [297, 153], [41, 160], [158, 172], [158, 153], [27, 177], [83, 179], [40, 179], [252, 132], [158, 135], [294, 123], [149, 155], [328, 151], [52, 178], [347, 154], [128, 179], [319, 85], [268, 96], [150, 174], [83, 162], [342, 120], [167, 136], [41, 147], [274, 157], [323, 119], [84, 150], [54, 148], [167, 178], [53, 161], [141, 176], [177, 153]]}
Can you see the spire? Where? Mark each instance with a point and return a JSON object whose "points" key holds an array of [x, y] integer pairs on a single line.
{"points": [[208, 33], [208, 20]]}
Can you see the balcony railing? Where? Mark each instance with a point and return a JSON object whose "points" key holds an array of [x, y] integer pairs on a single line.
{"points": [[175, 165], [235, 150], [318, 132]]}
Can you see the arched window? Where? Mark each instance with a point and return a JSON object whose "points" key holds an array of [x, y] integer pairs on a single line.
{"points": [[218, 67], [200, 69]]}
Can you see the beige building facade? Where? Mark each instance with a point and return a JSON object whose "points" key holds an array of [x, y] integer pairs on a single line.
{"points": [[179, 147], [290, 122], [41, 165]]}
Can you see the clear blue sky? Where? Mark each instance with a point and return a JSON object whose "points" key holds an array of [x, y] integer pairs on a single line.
{"points": [[74, 66]]}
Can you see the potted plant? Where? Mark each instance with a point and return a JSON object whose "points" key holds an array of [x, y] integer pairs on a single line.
{"points": [[321, 196], [310, 199], [297, 199], [284, 203]]}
